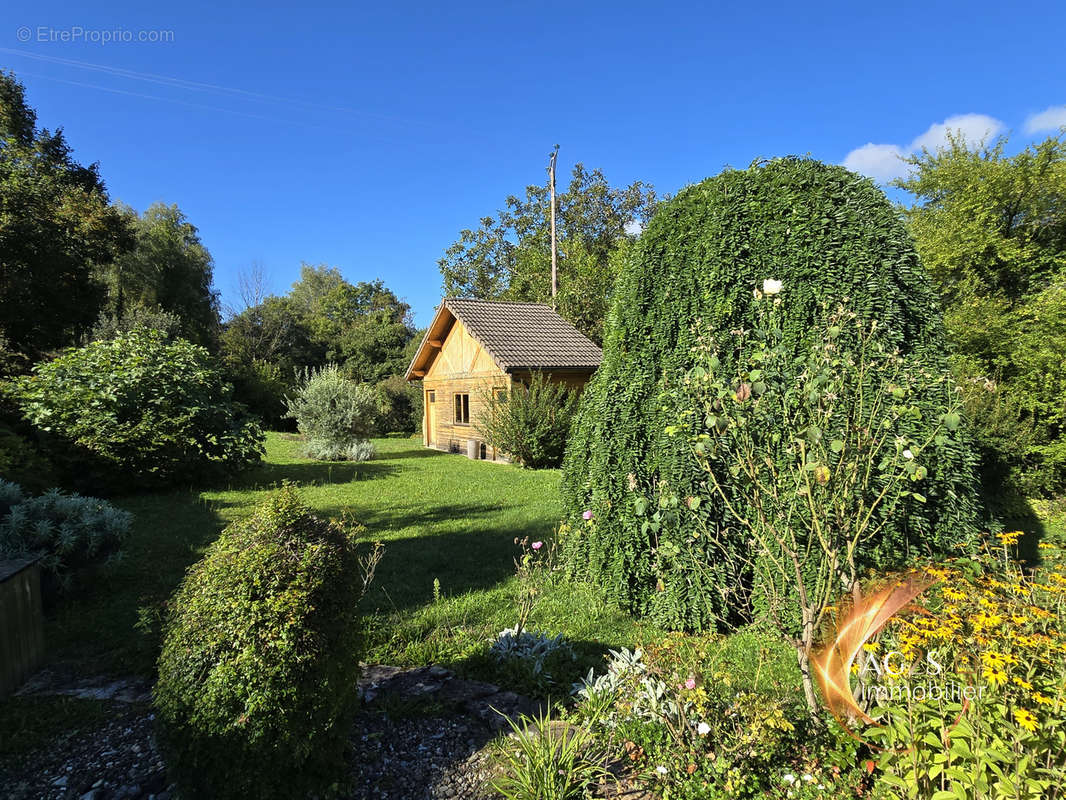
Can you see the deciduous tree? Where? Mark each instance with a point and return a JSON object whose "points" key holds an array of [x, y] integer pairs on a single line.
{"points": [[57, 228], [991, 229], [508, 256]]}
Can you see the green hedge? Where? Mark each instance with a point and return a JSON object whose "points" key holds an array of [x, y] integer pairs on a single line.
{"points": [[258, 670], [829, 235]]}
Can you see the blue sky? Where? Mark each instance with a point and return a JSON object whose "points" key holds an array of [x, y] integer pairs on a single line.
{"points": [[366, 136]]}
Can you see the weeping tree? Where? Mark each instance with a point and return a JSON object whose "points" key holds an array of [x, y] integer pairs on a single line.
{"points": [[637, 496]]}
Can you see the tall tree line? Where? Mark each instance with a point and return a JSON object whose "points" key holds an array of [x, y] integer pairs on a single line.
{"points": [[75, 266], [71, 259], [991, 230]]}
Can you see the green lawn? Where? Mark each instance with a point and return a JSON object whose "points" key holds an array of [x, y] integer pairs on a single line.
{"points": [[440, 517]]}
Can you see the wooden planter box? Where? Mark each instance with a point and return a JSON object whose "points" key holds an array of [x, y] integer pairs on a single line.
{"points": [[21, 623]]}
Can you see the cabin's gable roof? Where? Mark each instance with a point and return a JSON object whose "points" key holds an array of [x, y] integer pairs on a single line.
{"points": [[518, 336]]}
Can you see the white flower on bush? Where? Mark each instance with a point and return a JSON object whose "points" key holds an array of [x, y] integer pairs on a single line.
{"points": [[661, 770], [907, 454], [771, 286], [703, 729], [788, 778]]}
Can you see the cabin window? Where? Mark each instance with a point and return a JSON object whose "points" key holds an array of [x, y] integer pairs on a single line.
{"points": [[499, 395], [431, 396], [462, 409]]}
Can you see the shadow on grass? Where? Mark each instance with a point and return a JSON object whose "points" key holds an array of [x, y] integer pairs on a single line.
{"points": [[477, 557], [110, 621], [322, 473], [418, 452]]}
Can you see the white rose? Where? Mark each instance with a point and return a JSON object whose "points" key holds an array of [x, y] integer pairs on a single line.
{"points": [[703, 729], [770, 286], [907, 454]]}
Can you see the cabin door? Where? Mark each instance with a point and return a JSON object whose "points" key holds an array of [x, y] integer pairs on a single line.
{"points": [[431, 423]]}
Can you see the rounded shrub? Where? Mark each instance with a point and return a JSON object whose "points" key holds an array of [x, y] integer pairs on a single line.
{"points": [[828, 236], [335, 414], [257, 675], [138, 410]]}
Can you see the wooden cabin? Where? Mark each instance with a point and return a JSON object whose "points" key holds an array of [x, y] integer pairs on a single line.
{"points": [[476, 347]]}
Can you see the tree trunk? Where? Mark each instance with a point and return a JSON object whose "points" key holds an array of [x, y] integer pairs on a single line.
{"points": [[803, 658]]}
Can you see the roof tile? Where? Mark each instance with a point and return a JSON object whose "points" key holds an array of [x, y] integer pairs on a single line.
{"points": [[525, 335]]}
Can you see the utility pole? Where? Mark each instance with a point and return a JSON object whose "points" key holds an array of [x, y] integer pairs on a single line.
{"points": [[555, 255]]}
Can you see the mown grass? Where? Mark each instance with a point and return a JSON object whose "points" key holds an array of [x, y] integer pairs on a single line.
{"points": [[441, 518]]}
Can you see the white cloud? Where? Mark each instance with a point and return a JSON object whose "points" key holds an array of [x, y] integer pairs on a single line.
{"points": [[634, 227], [882, 162], [975, 128], [1050, 119]]}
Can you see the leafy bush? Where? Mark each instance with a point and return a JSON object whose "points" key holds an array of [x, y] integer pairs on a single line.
{"points": [[259, 386], [67, 531], [139, 409], [333, 412], [535, 655], [820, 456], [10, 495], [530, 423], [402, 402], [258, 670], [828, 235], [698, 724], [138, 318]]}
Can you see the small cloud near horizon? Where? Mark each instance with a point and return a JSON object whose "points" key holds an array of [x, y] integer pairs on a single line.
{"points": [[1050, 119], [884, 162]]}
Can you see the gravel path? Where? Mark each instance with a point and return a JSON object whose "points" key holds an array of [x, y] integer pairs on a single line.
{"points": [[117, 761], [397, 753]]}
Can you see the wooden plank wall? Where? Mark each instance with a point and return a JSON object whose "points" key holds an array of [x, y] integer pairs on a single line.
{"points": [[21, 626], [463, 367]]}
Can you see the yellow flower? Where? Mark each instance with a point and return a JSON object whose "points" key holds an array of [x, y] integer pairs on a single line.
{"points": [[1043, 699], [951, 593], [1024, 684], [1009, 537], [1025, 719], [994, 675], [994, 660]]}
